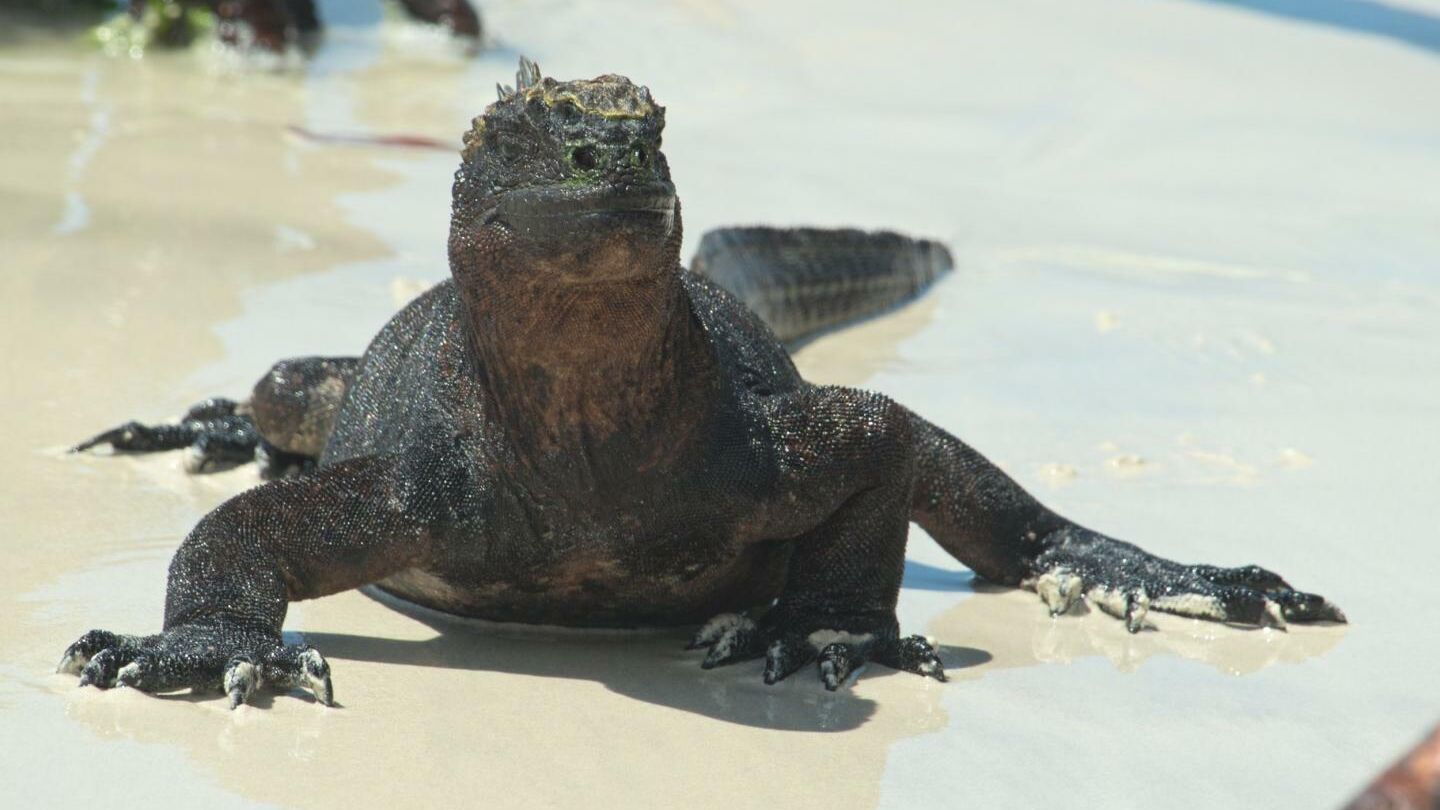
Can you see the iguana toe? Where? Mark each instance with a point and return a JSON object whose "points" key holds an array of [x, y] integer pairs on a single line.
{"points": [[915, 654], [837, 663], [102, 669], [730, 637], [240, 681]]}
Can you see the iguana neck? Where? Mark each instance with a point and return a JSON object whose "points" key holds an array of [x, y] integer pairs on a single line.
{"points": [[593, 381]]}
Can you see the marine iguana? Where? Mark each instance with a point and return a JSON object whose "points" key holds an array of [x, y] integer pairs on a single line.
{"points": [[576, 430]]}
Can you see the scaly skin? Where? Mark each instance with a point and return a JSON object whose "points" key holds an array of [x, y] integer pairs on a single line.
{"points": [[575, 430], [804, 281]]}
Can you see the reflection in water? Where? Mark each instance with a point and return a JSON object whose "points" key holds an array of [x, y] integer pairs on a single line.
{"points": [[77, 214], [1017, 630]]}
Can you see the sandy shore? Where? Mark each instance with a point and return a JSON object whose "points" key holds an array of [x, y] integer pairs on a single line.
{"points": [[1197, 307]]}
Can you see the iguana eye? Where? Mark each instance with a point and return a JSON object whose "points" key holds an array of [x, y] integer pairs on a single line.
{"points": [[584, 157], [508, 150], [640, 156], [566, 111]]}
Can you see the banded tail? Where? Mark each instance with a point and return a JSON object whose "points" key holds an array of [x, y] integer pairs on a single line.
{"points": [[804, 281]]}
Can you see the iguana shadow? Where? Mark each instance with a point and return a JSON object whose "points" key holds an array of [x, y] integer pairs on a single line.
{"points": [[646, 665]]}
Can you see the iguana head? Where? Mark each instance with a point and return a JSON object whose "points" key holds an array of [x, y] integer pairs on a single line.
{"points": [[552, 168]]}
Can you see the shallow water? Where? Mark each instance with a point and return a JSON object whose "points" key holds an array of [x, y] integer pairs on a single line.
{"points": [[1197, 306]]}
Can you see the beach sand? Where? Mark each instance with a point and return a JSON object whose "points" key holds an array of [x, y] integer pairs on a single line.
{"points": [[1196, 306]]}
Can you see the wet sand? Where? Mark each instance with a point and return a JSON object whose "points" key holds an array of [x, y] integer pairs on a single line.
{"points": [[1196, 306]]}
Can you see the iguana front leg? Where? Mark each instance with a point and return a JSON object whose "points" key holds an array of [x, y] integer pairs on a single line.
{"points": [[233, 578], [987, 521], [845, 463]]}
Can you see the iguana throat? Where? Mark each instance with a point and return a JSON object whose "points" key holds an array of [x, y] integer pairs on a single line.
{"points": [[565, 249]]}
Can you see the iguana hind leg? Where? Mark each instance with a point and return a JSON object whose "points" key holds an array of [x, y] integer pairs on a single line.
{"points": [[988, 522], [295, 405], [218, 432], [283, 426]]}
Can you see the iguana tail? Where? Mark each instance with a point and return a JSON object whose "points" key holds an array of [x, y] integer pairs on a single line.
{"points": [[804, 281]]}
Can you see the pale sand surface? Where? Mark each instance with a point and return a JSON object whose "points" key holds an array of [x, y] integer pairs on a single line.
{"points": [[1198, 306]]}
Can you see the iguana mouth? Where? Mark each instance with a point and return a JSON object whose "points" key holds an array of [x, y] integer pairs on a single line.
{"points": [[550, 203]]}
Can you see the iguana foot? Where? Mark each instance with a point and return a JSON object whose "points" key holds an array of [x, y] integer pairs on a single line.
{"points": [[217, 434], [1080, 566], [236, 661], [789, 641]]}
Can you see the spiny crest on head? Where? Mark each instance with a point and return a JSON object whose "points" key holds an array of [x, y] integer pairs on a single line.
{"points": [[526, 77], [608, 96]]}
